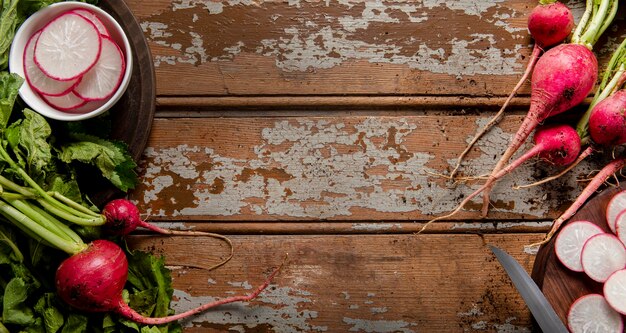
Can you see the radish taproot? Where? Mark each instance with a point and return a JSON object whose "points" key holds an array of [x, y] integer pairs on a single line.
{"points": [[556, 143], [592, 313], [562, 78], [93, 280], [549, 23]]}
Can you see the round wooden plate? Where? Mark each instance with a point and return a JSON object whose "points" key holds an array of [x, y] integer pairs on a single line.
{"points": [[561, 285], [132, 115]]}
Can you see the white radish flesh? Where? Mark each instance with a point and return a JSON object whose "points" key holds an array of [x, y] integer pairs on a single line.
{"points": [[615, 291], [37, 79], [67, 102], [602, 255], [620, 226], [91, 16], [101, 81], [570, 241], [616, 205], [68, 47], [592, 313]]}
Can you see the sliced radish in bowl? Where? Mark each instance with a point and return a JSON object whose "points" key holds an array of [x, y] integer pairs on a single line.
{"points": [[602, 255], [592, 313], [103, 79], [67, 102], [616, 205], [68, 47], [91, 16], [570, 241], [37, 79]]}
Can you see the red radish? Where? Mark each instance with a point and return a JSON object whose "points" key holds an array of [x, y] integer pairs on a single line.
{"points": [[102, 80], [39, 81], [65, 102], [615, 291], [607, 123], [558, 144], [616, 205], [592, 313], [562, 78], [549, 23], [91, 16], [93, 281], [570, 241], [68, 47], [602, 255]]}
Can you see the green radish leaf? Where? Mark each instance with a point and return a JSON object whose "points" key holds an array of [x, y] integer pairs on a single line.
{"points": [[9, 87], [14, 309]]}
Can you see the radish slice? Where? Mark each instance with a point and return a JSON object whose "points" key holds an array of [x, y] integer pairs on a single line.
{"points": [[39, 81], [101, 81], [592, 313], [68, 47], [67, 102], [570, 241], [616, 205], [620, 226], [615, 291], [602, 255], [91, 16]]}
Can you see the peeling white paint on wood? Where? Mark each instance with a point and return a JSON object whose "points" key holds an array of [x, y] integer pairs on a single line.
{"points": [[328, 169], [309, 45], [379, 326]]}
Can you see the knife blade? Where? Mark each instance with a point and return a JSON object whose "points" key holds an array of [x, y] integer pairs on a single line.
{"points": [[542, 311]]}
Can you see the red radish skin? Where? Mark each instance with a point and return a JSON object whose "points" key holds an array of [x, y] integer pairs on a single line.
{"points": [[548, 24], [592, 313], [591, 188], [562, 78], [93, 281], [558, 144], [569, 243], [607, 123]]}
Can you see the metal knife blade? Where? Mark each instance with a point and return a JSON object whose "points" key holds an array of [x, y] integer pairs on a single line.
{"points": [[542, 311]]}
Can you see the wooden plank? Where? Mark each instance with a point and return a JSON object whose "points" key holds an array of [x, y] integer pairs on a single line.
{"points": [[375, 283], [234, 48], [354, 168]]}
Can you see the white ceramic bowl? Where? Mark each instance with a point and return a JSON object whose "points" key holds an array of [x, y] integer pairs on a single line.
{"points": [[38, 21]]}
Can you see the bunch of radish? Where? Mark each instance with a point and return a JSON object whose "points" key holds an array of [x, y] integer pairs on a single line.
{"points": [[73, 63], [583, 246]]}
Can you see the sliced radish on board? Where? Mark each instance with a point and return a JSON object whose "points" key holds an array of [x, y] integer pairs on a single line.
{"points": [[39, 81], [615, 291], [102, 80], [570, 241], [67, 102], [620, 226], [592, 313], [616, 205], [91, 16], [602, 255], [68, 47]]}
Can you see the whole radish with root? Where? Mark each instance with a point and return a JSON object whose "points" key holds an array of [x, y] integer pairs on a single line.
{"points": [[92, 280], [549, 23], [558, 143], [562, 78]]}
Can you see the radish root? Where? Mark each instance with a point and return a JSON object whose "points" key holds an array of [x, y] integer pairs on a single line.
{"points": [[588, 151]]}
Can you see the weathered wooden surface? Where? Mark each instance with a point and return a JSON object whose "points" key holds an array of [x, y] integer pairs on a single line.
{"points": [[384, 283], [320, 129]]}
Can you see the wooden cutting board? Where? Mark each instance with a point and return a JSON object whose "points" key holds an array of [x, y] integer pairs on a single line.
{"points": [[561, 285]]}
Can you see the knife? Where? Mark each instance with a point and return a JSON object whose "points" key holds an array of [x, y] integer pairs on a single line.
{"points": [[542, 311]]}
